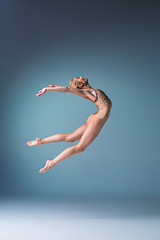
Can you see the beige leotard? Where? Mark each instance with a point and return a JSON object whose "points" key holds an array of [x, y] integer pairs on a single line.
{"points": [[103, 103]]}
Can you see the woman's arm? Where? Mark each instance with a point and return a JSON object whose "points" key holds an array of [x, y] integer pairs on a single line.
{"points": [[52, 87], [85, 93]]}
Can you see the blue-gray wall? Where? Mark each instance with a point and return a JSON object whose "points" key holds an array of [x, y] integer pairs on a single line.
{"points": [[116, 46]]}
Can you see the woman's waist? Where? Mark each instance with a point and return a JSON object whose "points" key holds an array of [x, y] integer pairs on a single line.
{"points": [[104, 113]]}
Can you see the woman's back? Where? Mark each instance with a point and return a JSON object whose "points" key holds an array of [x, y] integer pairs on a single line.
{"points": [[102, 100]]}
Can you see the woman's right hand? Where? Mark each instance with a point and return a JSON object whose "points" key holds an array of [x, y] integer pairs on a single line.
{"points": [[41, 92], [48, 88]]}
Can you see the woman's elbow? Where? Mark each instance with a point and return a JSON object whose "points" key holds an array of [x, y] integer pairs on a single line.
{"points": [[67, 89]]}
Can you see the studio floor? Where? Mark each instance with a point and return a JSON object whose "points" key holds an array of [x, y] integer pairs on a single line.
{"points": [[79, 220]]}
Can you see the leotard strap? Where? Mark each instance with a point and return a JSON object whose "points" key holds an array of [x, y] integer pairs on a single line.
{"points": [[96, 95], [102, 101]]}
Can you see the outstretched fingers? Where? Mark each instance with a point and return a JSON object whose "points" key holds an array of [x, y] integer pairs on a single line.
{"points": [[41, 92]]}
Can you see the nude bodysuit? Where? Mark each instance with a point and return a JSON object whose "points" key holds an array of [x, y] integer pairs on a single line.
{"points": [[103, 103]]}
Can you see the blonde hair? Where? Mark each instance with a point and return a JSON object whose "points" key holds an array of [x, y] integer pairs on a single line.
{"points": [[74, 83]]}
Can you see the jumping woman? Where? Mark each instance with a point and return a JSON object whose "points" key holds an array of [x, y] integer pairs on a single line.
{"points": [[85, 133]]}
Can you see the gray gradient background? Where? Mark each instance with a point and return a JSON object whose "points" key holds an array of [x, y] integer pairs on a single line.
{"points": [[115, 44]]}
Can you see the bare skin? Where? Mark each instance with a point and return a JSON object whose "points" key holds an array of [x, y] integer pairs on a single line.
{"points": [[86, 133]]}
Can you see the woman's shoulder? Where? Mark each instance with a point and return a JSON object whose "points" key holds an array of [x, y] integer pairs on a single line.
{"points": [[101, 93], [98, 90]]}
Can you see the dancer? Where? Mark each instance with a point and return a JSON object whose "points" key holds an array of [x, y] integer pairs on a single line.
{"points": [[85, 133]]}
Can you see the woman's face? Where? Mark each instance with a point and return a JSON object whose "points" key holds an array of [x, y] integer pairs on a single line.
{"points": [[82, 80]]}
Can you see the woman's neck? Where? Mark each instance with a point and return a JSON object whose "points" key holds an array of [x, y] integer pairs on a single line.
{"points": [[87, 87]]}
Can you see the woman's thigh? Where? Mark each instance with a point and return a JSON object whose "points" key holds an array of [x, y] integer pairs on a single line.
{"points": [[93, 129]]}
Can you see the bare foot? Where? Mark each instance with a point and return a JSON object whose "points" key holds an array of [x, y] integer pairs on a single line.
{"points": [[48, 166], [37, 142]]}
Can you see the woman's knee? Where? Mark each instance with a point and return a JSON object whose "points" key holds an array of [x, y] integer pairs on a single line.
{"points": [[70, 138], [80, 149]]}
